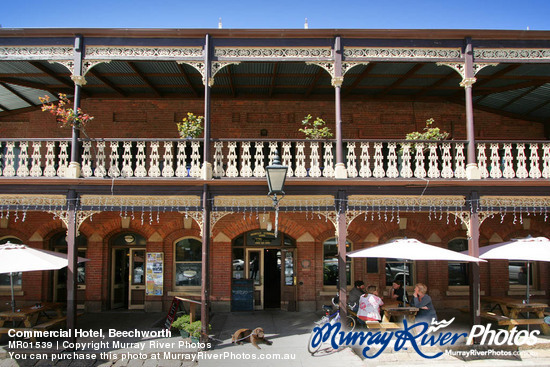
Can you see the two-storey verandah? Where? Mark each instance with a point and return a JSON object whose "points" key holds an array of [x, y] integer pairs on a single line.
{"points": [[459, 178]]}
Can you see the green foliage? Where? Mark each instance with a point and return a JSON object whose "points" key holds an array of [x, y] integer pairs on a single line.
{"points": [[430, 133], [194, 328], [181, 322], [315, 129], [191, 126]]}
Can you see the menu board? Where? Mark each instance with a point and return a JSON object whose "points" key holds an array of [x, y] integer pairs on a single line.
{"points": [[154, 277]]}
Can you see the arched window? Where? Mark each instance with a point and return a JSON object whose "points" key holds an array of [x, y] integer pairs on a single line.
{"points": [[330, 262], [458, 272], [188, 262], [5, 278]]}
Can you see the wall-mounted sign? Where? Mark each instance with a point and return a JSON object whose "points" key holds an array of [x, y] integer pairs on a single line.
{"points": [[154, 279], [262, 238]]}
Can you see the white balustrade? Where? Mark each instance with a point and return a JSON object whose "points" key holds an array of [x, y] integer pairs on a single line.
{"points": [[195, 170], [9, 169], [154, 168], [406, 171], [100, 170], [87, 159], [378, 171], [301, 170], [168, 169], [364, 167], [351, 160], [248, 159], [36, 166], [23, 169]]}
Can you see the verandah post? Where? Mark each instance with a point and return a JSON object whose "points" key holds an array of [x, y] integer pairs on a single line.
{"points": [[74, 165], [337, 80], [473, 250], [342, 230], [205, 278], [472, 169], [206, 173], [72, 252]]}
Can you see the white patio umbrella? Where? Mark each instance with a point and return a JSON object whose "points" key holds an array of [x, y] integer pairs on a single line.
{"points": [[412, 249], [522, 249], [16, 258]]}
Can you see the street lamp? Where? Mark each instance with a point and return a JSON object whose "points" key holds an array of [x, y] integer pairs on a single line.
{"points": [[276, 176]]}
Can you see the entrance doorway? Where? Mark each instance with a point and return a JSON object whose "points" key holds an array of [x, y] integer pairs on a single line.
{"points": [[128, 273], [270, 267]]}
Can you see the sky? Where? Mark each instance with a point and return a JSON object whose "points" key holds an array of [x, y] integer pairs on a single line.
{"points": [[283, 14]]}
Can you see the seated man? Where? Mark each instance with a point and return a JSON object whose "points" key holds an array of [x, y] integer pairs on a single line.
{"points": [[354, 295]]}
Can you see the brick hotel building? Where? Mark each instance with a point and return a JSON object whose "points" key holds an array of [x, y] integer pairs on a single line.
{"points": [[159, 216]]}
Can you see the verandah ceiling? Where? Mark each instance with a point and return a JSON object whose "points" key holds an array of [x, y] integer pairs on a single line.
{"points": [[516, 90]]}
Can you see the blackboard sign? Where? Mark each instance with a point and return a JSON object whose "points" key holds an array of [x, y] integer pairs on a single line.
{"points": [[174, 307], [242, 295]]}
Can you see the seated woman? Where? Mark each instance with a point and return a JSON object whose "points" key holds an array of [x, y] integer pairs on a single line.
{"points": [[369, 305], [426, 310]]}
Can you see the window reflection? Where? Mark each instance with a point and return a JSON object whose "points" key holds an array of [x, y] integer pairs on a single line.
{"points": [[188, 262]]}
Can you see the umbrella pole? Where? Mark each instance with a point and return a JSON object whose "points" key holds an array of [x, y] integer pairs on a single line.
{"points": [[405, 298], [12, 295], [528, 281], [527, 300]]}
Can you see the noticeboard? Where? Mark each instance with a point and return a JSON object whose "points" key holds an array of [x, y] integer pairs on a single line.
{"points": [[154, 277], [242, 295]]}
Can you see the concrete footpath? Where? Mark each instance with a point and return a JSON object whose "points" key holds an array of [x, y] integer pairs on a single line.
{"points": [[289, 332]]}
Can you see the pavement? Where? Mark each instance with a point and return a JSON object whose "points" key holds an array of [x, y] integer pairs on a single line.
{"points": [[289, 332]]}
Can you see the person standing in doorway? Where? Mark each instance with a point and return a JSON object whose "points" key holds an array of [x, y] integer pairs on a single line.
{"points": [[254, 266]]}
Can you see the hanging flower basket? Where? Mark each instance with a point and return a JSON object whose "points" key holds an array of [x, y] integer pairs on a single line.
{"points": [[191, 126], [66, 117]]}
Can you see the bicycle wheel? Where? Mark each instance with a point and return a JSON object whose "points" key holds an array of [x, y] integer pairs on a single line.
{"points": [[310, 348], [350, 323]]}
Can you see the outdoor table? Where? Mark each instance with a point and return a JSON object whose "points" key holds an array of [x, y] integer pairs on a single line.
{"points": [[29, 315], [515, 310], [192, 307], [398, 313]]}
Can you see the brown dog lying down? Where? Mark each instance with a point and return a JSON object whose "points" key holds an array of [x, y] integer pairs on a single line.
{"points": [[254, 336]]}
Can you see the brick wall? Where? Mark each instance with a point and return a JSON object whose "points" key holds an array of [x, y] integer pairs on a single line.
{"points": [[282, 119], [311, 231]]}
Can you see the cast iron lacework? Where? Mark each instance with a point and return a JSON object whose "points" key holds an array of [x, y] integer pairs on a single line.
{"points": [[143, 53], [36, 53], [404, 53], [272, 52], [512, 53]]}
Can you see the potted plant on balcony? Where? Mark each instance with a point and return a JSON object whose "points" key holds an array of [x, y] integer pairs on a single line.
{"points": [[191, 126], [430, 133], [182, 324], [66, 117], [316, 129]]}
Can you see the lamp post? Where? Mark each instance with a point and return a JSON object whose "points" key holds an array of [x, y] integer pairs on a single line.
{"points": [[276, 176]]}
